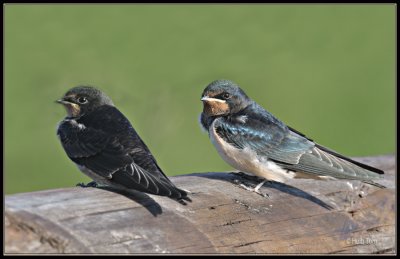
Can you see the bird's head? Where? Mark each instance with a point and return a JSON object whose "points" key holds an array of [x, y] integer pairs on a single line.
{"points": [[223, 97], [83, 99]]}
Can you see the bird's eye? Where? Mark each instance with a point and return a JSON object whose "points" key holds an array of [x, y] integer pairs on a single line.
{"points": [[82, 100], [226, 96]]}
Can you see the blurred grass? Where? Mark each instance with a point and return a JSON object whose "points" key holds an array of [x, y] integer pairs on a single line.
{"points": [[326, 70]]}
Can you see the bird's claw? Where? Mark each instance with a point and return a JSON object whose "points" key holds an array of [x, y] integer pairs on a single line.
{"points": [[251, 189], [251, 178]]}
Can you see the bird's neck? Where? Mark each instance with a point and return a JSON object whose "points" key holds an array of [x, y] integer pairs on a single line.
{"points": [[206, 120]]}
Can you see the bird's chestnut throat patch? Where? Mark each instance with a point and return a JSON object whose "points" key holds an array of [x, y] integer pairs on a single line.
{"points": [[214, 108]]}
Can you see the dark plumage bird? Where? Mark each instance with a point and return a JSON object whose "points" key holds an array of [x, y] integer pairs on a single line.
{"points": [[105, 146], [252, 140]]}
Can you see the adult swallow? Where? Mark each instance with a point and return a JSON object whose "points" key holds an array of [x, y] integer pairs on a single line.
{"points": [[104, 145], [252, 140]]}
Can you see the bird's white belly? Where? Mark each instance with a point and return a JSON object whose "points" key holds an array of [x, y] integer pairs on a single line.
{"points": [[246, 160]]}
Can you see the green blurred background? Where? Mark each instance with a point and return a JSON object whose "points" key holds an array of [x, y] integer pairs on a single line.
{"points": [[326, 70]]}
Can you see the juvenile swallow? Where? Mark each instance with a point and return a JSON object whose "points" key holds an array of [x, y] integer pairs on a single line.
{"points": [[104, 145], [252, 140]]}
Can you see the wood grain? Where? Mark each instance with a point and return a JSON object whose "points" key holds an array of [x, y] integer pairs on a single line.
{"points": [[303, 216]]}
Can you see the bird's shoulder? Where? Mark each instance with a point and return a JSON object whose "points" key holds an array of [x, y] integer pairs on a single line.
{"points": [[105, 128], [254, 120], [108, 119], [263, 133]]}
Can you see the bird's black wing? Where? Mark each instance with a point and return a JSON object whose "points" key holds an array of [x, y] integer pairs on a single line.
{"points": [[271, 139], [266, 138], [105, 143]]}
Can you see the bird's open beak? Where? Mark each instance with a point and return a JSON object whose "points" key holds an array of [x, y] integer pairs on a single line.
{"points": [[72, 108], [61, 101], [210, 99], [65, 100], [214, 106]]}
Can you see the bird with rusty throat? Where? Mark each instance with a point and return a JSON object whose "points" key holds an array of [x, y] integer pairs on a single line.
{"points": [[104, 145], [252, 140]]}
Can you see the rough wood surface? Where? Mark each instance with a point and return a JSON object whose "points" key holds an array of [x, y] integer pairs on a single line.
{"points": [[304, 216]]}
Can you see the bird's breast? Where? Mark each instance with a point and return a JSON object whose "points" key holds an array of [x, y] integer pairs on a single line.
{"points": [[247, 160], [70, 125]]}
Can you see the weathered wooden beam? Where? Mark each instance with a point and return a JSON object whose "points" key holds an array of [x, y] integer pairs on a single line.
{"points": [[304, 216]]}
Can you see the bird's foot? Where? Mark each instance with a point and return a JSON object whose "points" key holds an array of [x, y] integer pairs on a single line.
{"points": [[253, 178], [254, 189], [91, 184]]}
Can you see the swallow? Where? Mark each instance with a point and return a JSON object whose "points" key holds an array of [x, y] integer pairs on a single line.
{"points": [[252, 140], [101, 141]]}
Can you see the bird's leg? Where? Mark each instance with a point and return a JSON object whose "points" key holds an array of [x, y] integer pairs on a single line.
{"points": [[91, 184], [253, 178], [255, 189]]}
